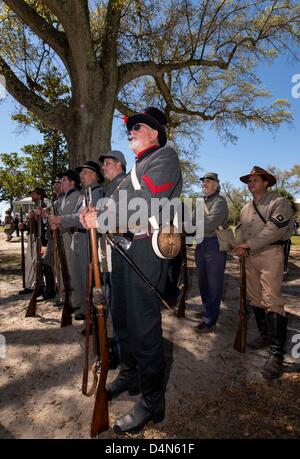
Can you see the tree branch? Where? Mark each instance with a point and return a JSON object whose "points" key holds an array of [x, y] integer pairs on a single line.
{"points": [[54, 38], [111, 31], [57, 116], [133, 70], [122, 108], [74, 17]]}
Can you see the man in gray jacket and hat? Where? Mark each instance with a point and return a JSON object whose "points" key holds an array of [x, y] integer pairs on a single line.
{"points": [[210, 261], [265, 225], [135, 308]]}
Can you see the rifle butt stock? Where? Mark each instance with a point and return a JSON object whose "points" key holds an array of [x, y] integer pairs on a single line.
{"points": [[31, 310]]}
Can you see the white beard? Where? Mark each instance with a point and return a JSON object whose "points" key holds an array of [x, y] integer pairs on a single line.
{"points": [[133, 144]]}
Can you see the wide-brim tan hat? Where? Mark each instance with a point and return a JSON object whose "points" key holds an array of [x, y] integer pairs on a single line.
{"points": [[256, 170]]}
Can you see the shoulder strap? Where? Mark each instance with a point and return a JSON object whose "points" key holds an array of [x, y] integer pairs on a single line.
{"points": [[258, 213]]}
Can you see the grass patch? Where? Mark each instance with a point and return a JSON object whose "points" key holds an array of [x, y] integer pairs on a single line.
{"points": [[295, 241]]}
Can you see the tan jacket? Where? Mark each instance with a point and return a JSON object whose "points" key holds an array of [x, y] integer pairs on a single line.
{"points": [[279, 226]]}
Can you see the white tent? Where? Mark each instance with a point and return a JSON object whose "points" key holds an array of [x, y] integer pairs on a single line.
{"points": [[26, 204]]}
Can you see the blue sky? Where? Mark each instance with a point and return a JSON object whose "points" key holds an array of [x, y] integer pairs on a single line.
{"points": [[260, 148]]}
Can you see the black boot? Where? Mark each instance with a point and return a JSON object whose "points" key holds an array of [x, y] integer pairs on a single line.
{"points": [[114, 357], [149, 407], [49, 292], [25, 291], [127, 380], [277, 330], [263, 340]]}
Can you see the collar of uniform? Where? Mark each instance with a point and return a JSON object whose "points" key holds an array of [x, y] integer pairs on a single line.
{"points": [[263, 198], [69, 192], [119, 176], [206, 197], [93, 185], [142, 154]]}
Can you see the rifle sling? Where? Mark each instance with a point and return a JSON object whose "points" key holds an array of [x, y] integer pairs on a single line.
{"points": [[258, 213]]}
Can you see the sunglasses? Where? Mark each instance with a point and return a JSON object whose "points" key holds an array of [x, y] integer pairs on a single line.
{"points": [[138, 126]]}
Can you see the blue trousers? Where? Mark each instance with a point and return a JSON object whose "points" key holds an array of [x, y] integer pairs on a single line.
{"points": [[210, 263]]}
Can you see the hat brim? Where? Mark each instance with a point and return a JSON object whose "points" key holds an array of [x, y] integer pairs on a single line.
{"points": [[66, 174], [271, 179], [210, 178], [103, 157], [151, 122], [79, 169]]}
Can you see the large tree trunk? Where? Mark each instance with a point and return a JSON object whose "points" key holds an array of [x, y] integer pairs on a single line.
{"points": [[89, 132], [89, 135]]}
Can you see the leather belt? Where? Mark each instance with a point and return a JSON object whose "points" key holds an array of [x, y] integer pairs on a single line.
{"points": [[77, 230], [140, 236]]}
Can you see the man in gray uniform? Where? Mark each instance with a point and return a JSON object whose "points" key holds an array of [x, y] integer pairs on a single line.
{"points": [[90, 177], [265, 225], [210, 261], [135, 309], [114, 170], [70, 183]]}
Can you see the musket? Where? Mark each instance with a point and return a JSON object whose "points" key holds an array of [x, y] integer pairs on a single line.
{"points": [[88, 320], [54, 251], [100, 420], [138, 271], [22, 248], [240, 339], [183, 286], [66, 316], [31, 310]]}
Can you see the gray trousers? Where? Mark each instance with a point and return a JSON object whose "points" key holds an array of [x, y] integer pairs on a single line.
{"points": [[81, 257], [74, 271]]}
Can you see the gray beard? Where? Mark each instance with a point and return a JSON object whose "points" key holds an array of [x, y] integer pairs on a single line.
{"points": [[133, 144]]}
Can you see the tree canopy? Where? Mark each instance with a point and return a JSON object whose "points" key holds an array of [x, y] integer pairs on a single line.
{"points": [[194, 59]]}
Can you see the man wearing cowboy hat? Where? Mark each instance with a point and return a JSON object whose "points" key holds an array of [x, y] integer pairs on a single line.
{"points": [[265, 225], [135, 309]]}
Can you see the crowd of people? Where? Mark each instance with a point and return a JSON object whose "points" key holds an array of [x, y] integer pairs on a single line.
{"points": [[266, 224]]}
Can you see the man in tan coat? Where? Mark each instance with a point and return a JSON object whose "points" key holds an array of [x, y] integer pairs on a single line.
{"points": [[265, 224]]}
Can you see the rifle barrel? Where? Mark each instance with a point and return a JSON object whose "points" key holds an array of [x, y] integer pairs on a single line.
{"points": [[100, 419], [22, 249]]}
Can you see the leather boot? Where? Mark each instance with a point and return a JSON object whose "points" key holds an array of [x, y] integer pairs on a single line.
{"points": [[262, 340], [127, 380], [49, 292], [149, 407], [277, 330], [114, 357]]}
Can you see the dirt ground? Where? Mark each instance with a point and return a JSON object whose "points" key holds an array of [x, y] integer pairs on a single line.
{"points": [[212, 392]]}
